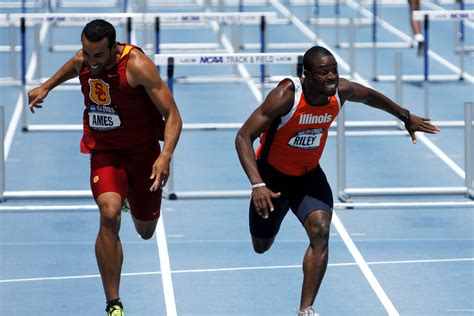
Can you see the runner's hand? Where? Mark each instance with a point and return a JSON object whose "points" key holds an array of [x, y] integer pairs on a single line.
{"points": [[420, 124], [160, 172], [36, 97], [262, 200]]}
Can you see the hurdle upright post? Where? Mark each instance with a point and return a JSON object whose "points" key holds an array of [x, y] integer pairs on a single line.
{"points": [[316, 11], [2, 153], [341, 157], [352, 58], [23, 70], [426, 67], [13, 56], [460, 40], [469, 155], [374, 40], [129, 30], [38, 50], [157, 35], [398, 78], [337, 11], [262, 50], [169, 188], [299, 67], [170, 73], [236, 30]]}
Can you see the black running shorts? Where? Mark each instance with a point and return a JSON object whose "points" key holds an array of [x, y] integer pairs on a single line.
{"points": [[302, 194]]}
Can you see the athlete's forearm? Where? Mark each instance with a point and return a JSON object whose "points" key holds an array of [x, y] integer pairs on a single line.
{"points": [[173, 129], [247, 158]]}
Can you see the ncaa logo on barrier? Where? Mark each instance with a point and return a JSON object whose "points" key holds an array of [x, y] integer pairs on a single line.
{"points": [[99, 92], [211, 60]]}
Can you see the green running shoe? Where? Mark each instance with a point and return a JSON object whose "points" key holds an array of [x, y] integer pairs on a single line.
{"points": [[125, 206], [115, 310]]}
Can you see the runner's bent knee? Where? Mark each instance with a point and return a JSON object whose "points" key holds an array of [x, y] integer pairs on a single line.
{"points": [[109, 207], [145, 229], [262, 245], [317, 228]]}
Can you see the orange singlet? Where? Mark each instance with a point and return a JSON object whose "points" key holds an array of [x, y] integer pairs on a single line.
{"points": [[294, 143]]}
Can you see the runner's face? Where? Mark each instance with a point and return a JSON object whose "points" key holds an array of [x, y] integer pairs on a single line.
{"points": [[323, 77], [97, 55]]}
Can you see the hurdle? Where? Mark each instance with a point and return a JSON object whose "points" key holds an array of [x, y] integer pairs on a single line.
{"points": [[375, 20], [338, 21], [374, 44], [461, 47], [172, 60], [157, 20], [399, 94], [12, 49], [345, 194], [459, 72], [129, 19], [454, 15]]}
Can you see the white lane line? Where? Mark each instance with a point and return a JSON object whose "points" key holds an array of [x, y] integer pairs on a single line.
{"points": [[444, 157], [12, 127], [165, 268], [364, 267], [295, 266]]}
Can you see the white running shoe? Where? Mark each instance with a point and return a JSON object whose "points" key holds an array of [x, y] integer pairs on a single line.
{"points": [[308, 312], [419, 43]]}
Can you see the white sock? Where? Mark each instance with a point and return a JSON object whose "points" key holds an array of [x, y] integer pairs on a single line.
{"points": [[419, 37]]}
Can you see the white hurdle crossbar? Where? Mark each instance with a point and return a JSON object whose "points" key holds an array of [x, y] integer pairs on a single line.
{"points": [[22, 4], [68, 4]]}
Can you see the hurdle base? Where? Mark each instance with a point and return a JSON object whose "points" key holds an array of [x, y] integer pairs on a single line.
{"points": [[409, 191]]}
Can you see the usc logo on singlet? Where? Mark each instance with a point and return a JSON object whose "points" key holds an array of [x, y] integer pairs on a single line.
{"points": [[99, 92]]}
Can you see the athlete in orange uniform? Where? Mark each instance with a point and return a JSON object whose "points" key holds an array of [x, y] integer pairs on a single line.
{"points": [[293, 124], [127, 107]]}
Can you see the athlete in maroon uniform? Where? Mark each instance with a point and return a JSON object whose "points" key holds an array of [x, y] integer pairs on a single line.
{"points": [[127, 107], [292, 123]]}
